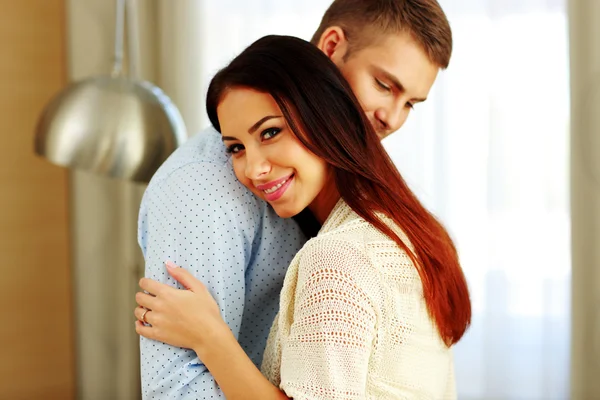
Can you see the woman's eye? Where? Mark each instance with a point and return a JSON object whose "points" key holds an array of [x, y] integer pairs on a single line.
{"points": [[383, 85], [234, 149], [270, 133]]}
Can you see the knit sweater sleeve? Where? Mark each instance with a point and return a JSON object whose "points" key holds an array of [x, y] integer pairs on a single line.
{"points": [[332, 329], [450, 393]]}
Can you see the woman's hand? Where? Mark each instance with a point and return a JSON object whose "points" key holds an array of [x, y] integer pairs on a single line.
{"points": [[183, 318], [191, 319]]}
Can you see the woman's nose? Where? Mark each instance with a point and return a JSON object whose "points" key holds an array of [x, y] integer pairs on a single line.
{"points": [[256, 165]]}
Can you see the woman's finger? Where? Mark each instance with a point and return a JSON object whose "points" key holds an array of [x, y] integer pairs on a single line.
{"points": [[139, 310], [156, 288], [182, 276], [139, 313], [146, 300], [145, 315], [143, 330]]}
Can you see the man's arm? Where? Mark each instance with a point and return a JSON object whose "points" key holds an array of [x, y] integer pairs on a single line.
{"points": [[202, 219]]}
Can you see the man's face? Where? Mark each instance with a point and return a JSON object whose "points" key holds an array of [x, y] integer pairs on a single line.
{"points": [[388, 77]]}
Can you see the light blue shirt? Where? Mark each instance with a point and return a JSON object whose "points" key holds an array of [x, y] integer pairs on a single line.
{"points": [[197, 214]]}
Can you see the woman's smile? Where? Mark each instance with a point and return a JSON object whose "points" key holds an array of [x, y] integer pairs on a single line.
{"points": [[275, 189]]}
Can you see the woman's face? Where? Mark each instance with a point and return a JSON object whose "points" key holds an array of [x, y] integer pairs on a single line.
{"points": [[267, 157]]}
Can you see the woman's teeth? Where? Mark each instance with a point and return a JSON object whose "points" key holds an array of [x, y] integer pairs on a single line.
{"points": [[274, 188]]}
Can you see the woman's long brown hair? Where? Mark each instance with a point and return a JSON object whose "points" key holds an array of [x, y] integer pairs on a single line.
{"points": [[323, 112]]}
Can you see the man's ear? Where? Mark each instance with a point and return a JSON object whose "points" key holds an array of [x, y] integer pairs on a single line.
{"points": [[334, 44]]}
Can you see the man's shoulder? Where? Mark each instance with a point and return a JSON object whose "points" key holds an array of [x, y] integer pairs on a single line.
{"points": [[199, 164], [199, 172], [204, 148]]}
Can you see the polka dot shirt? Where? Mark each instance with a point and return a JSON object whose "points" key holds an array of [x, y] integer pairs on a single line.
{"points": [[196, 213]]}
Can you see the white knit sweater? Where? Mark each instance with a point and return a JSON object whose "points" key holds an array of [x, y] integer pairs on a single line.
{"points": [[353, 323]]}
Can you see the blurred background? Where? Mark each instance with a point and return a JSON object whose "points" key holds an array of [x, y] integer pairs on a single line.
{"points": [[506, 152]]}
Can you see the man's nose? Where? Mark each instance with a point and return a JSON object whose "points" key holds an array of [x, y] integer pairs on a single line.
{"points": [[390, 120]]}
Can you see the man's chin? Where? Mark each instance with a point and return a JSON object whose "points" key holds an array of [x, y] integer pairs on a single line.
{"points": [[383, 135]]}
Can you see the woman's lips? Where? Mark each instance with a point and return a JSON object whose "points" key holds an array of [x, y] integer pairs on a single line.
{"points": [[269, 185], [276, 191]]}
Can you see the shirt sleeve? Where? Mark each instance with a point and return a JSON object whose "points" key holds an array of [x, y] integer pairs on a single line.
{"points": [[202, 219], [326, 353]]}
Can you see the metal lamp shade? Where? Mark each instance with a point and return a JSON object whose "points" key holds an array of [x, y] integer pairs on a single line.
{"points": [[113, 126]]}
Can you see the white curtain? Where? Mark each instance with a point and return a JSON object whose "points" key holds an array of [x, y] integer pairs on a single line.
{"points": [[493, 163], [488, 153]]}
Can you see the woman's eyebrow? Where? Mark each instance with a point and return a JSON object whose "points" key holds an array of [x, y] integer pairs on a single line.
{"points": [[257, 125]]}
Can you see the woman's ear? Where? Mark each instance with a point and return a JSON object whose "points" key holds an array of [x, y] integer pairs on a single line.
{"points": [[334, 44]]}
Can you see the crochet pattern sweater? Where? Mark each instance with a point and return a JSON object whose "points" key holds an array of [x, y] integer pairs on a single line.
{"points": [[353, 323]]}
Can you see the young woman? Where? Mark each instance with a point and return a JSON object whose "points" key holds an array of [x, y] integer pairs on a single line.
{"points": [[371, 306]]}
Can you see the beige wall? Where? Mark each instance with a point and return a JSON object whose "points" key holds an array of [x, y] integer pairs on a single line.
{"points": [[36, 333], [584, 19]]}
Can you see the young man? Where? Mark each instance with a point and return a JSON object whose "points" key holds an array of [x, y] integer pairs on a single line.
{"points": [[196, 214]]}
